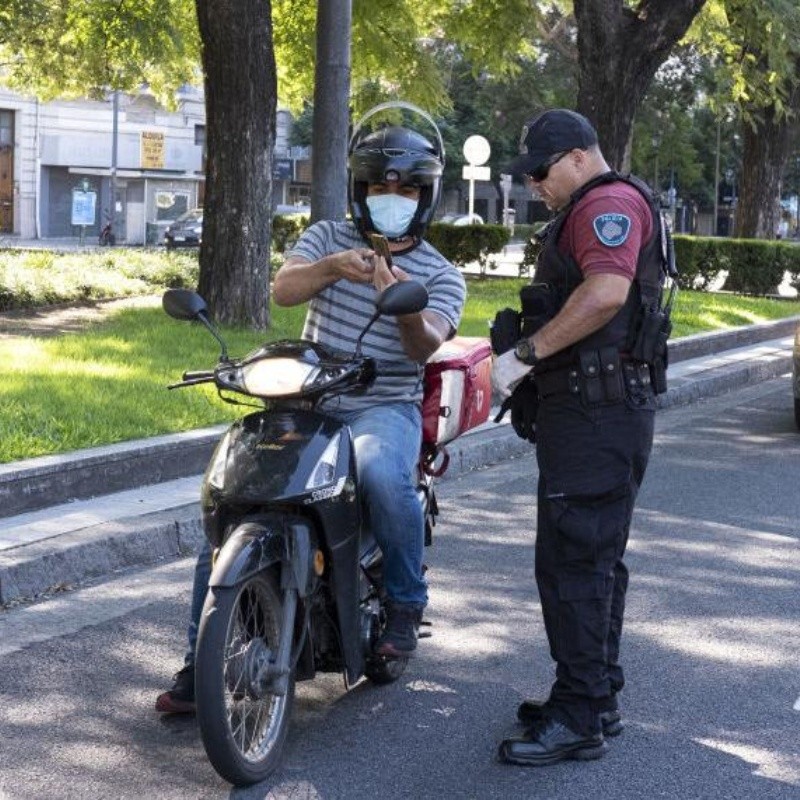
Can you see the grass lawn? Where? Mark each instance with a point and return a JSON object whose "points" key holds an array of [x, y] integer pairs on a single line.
{"points": [[107, 384]]}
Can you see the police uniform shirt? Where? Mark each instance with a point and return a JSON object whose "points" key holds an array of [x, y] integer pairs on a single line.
{"points": [[606, 230]]}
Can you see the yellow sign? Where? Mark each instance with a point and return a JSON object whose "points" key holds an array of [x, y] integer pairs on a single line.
{"points": [[152, 150]]}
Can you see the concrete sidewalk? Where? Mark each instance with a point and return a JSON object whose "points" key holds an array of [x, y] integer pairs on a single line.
{"points": [[83, 515]]}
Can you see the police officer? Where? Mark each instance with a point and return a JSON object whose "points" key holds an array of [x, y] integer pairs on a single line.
{"points": [[601, 268]]}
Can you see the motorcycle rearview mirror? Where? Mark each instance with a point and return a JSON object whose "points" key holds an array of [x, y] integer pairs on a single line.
{"points": [[183, 304], [188, 305], [403, 297]]}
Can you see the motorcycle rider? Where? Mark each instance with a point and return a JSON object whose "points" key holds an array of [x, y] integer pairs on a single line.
{"points": [[394, 185]]}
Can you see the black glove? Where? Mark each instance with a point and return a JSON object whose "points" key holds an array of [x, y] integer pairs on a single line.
{"points": [[505, 330], [524, 406]]}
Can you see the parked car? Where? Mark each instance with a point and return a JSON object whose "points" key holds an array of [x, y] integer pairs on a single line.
{"points": [[186, 231], [796, 376], [462, 219]]}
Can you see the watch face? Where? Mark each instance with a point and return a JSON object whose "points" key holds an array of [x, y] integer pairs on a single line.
{"points": [[524, 352]]}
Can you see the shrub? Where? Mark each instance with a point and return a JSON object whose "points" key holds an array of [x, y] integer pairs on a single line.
{"points": [[463, 244], [286, 230], [755, 267], [35, 278]]}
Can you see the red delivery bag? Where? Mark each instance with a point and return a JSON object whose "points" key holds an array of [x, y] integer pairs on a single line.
{"points": [[458, 389]]}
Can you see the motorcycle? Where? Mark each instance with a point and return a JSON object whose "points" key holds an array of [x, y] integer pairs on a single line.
{"points": [[296, 585]]}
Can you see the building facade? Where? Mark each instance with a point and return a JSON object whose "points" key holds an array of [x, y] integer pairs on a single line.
{"points": [[68, 166]]}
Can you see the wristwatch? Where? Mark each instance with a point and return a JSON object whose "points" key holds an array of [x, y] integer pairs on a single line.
{"points": [[525, 351]]}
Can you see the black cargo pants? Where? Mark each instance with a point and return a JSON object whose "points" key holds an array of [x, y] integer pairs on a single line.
{"points": [[591, 463]]}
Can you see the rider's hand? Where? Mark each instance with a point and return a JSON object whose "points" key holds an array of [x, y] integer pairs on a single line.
{"points": [[507, 372], [385, 276], [356, 265]]}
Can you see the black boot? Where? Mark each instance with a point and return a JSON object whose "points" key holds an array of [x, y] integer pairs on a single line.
{"points": [[548, 742], [399, 637], [532, 711]]}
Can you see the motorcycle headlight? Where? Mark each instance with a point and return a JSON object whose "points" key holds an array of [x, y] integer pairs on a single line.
{"points": [[274, 377], [325, 470]]}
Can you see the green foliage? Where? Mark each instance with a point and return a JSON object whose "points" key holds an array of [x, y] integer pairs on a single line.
{"points": [[286, 229], [76, 48], [463, 244], [38, 278], [753, 266]]}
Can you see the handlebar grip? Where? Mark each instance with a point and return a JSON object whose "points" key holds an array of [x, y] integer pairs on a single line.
{"points": [[199, 375], [393, 369]]}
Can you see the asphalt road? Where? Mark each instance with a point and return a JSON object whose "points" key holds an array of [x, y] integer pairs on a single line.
{"points": [[711, 649]]}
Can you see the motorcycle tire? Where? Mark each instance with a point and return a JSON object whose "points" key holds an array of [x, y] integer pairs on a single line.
{"points": [[243, 727]]}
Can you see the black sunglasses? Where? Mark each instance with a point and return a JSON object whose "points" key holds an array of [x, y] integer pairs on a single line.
{"points": [[543, 170]]}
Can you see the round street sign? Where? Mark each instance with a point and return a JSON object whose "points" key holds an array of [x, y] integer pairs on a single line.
{"points": [[477, 150]]}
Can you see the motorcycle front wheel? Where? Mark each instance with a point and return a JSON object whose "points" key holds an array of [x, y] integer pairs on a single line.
{"points": [[243, 724]]}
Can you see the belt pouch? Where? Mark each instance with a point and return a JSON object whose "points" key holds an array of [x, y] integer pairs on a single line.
{"points": [[612, 375], [591, 389]]}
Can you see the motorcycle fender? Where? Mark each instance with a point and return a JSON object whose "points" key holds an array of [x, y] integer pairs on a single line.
{"points": [[251, 548], [255, 546]]}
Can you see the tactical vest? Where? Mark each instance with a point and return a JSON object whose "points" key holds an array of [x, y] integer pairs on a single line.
{"points": [[561, 275]]}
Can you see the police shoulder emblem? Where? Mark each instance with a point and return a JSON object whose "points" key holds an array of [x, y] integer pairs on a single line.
{"points": [[612, 229]]}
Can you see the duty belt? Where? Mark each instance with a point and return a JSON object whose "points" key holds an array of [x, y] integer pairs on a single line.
{"points": [[604, 381]]}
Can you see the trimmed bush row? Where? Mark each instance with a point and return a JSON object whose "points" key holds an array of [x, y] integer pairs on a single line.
{"points": [[753, 266], [30, 278]]}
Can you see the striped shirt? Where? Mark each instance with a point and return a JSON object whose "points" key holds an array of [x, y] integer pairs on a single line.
{"points": [[338, 314]]}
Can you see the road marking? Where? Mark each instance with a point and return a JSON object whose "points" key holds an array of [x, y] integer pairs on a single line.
{"points": [[70, 612], [797, 704]]}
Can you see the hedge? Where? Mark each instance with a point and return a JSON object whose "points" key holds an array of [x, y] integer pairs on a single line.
{"points": [[463, 244], [753, 266]]}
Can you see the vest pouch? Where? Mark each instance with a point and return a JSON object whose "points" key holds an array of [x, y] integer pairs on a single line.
{"points": [[540, 304]]}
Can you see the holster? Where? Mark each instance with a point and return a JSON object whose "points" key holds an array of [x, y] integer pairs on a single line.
{"points": [[504, 332], [540, 303]]}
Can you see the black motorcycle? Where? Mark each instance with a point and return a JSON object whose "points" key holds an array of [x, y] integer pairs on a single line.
{"points": [[296, 585]]}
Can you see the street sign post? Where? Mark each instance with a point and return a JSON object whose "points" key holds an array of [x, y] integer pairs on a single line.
{"points": [[477, 151]]}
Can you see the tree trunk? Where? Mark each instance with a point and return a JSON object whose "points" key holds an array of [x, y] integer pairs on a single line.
{"points": [[240, 93], [331, 107], [764, 151], [619, 51]]}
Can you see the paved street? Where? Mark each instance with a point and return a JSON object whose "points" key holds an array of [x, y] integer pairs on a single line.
{"points": [[711, 648]]}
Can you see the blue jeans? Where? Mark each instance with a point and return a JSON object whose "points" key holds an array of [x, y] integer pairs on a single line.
{"points": [[387, 441]]}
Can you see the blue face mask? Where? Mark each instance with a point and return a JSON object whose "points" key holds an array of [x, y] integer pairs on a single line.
{"points": [[391, 213]]}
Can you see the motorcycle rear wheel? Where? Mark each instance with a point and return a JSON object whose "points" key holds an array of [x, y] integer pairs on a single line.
{"points": [[242, 725]]}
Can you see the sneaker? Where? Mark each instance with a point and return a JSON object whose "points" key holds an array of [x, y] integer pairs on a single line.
{"points": [[180, 698], [532, 711], [399, 638]]}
